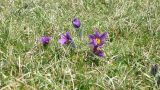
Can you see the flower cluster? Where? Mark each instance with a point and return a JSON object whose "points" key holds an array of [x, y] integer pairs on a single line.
{"points": [[97, 40]]}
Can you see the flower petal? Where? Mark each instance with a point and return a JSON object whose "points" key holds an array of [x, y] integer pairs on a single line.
{"points": [[45, 40], [92, 44], [62, 41], [76, 22], [91, 36], [97, 34], [100, 53], [104, 35], [68, 36], [95, 42], [102, 43]]}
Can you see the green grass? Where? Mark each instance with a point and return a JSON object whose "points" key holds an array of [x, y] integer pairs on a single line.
{"points": [[133, 45]]}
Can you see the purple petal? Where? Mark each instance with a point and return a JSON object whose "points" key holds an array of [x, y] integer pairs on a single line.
{"points": [[76, 23], [68, 36], [102, 43], [45, 40], [95, 42], [104, 35], [91, 36], [48, 39], [97, 34], [92, 44], [100, 53], [62, 41]]}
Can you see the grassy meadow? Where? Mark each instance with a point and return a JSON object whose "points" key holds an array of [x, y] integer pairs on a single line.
{"points": [[132, 47]]}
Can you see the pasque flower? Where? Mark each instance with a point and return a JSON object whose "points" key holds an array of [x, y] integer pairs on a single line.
{"points": [[65, 39], [97, 39], [45, 40], [76, 22]]}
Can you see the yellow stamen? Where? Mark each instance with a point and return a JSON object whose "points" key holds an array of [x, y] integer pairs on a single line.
{"points": [[98, 40]]}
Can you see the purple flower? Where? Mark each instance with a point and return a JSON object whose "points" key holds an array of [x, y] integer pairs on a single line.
{"points": [[45, 40], [97, 39], [76, 22], [65, 39], [97, 51]]}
